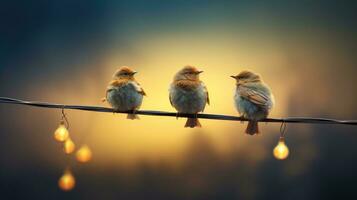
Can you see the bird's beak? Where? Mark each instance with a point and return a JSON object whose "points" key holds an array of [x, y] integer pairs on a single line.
{"points": [[199, 72], [134, 72], [234, 77]]}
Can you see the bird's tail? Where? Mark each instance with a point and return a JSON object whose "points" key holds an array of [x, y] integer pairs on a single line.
{"points": [[192, 122], [252, 128], [132, 116]]}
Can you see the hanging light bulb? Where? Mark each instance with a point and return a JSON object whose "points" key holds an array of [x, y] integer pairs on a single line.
{"points": [[84, 154], [281, 151], [69, 146], [61, 133], [67, 181]]}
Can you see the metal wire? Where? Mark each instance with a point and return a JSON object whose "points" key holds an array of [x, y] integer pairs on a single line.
{"points": [[282, 130], [307, 120], [64, 118]]}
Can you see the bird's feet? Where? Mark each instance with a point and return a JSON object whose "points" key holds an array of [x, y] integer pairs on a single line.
{"points": [[242, 119], [115, 110], [132, 114]]}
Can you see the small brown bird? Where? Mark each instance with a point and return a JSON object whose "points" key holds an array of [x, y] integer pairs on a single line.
{"points": [[253, 99], [188, 94], [124, 93]]}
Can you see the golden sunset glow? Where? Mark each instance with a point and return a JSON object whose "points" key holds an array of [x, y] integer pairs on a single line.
{"points": [[155, 138]]}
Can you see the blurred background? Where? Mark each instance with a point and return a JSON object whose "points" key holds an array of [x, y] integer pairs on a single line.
{"points": [[67, 51]]}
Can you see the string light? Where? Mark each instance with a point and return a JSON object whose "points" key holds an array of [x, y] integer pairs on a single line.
{"points": [[61, 134], [84, 154], [69, 146], [281, 151], [67, 181]]}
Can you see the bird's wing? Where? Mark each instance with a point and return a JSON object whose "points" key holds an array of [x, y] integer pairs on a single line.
{"points": [[206, 91], [170, 100], [112, 85], [110, 88], [104, 99], [207, 97], [170, 91], [253, 96], [138, 88]]}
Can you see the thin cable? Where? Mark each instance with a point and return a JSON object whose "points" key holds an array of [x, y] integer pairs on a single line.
{"points": [[307, 120], [282, 130], [64, 117]]}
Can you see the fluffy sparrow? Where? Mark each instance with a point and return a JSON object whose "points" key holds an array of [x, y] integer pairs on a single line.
{"points": [[253, 99], [124, 93], [188, 94]]}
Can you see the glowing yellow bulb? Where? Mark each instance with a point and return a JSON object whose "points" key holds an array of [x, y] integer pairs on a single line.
{"points": [[67, 181], [68, 146], [84, 154], [61, 133], [281, 151]]}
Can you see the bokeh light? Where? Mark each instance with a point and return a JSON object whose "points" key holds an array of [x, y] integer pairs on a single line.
{"points": [[281, 151], [61, 133], [67, 181], [69, 146], [84, 154]]}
